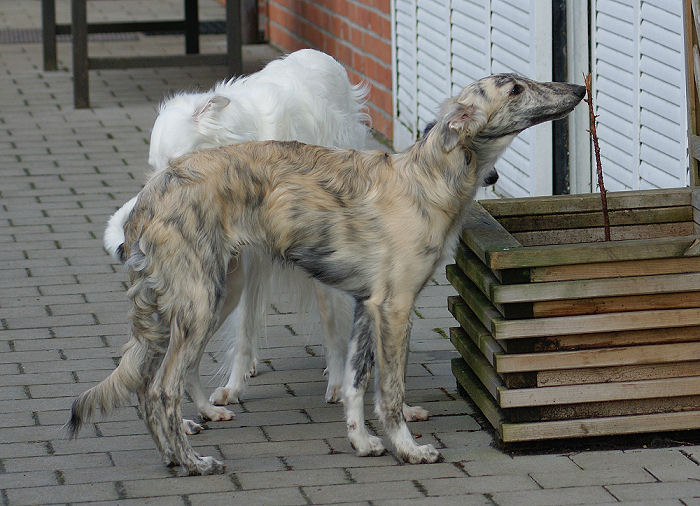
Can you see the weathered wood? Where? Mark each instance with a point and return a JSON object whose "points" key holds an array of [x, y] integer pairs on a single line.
{"points": [[599, 409], [619, 233], [476, 361], [470, 324], [558, 204], [603, 426], [483, 234], [561, 221], [476, 391], [476, 271], [472, 296], [617, 373], [581, 289], [615, 269], [582, 324], [622, 338], [603, 357], [599, 305], [598, 392], [561, 254]]}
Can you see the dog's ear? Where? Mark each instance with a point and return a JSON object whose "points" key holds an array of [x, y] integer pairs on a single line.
{"points": [[461, 121], [210, 107]]}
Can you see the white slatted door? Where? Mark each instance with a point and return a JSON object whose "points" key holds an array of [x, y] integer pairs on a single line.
{"points": [[639, 87], [405, 73], [494, 36]]}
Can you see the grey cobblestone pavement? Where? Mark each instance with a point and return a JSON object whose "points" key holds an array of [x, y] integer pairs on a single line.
{"points": [[63, 320]]}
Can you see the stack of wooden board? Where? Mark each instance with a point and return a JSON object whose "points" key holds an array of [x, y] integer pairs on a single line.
{"points": [[563, 335]]}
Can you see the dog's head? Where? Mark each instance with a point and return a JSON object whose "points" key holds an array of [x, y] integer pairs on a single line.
{"points": [[503, 105], [186, 122]]}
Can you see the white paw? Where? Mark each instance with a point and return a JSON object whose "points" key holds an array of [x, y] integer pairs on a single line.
{"points": [[367, 446], [191, 427], [426, 454], [253, 371], [216, 414], [415, 413], [223, 396], [333, 393], [205, 465]]}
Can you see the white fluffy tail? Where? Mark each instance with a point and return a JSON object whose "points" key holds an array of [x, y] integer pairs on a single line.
{"points": [[114, 233]]}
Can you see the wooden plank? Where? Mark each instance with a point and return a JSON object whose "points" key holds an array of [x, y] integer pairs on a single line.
{"points": [[558, 204], [603, 426], [479, 335], [561, 254], [476, 361], [615, 269], [599, 305], [623, 338], [603, 357], [478, 394], [472, 296], [475, 270], [583, 324], [606, 287], [598, 392], [626, 407], [618, 373], [621, 233], [482, 233], [541, 222]]}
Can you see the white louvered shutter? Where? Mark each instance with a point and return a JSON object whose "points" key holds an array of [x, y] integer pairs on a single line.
{"points": [[640, 93], [451, 43], [405, 74], [494, 36]]}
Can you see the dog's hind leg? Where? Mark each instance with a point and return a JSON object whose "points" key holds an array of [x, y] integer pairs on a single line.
{"points": [[163, 395], [336, 328], [360, 361], [251, 281], [234, 287], [392, 351]]}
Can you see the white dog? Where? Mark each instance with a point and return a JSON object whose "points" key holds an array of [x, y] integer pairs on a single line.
{"points": [[307, 97]]}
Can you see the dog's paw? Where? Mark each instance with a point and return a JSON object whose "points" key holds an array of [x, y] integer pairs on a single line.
{"points": [[253, 371], [223, 396], [191, 427], [205, 465], [333, 393], [217, 414], [425, 454], [370, 446], [415, 413]]}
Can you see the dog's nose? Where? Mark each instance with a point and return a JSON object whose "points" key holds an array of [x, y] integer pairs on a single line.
{"points": [[491, 178], [580, 91]]}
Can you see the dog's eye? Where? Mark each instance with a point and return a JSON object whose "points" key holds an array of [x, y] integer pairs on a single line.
{"points": [[517, 90]]}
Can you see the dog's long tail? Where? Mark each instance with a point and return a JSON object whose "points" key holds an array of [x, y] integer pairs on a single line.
{"points": [[114, 233], [112, 391]]}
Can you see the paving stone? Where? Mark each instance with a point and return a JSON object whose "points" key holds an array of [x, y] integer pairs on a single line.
{"points": [[655, 491], [292, 478], [553, 497], [62, 494], [363, 491]]}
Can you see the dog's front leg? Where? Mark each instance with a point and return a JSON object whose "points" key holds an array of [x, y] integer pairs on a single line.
{"points": [[359, 364], [392, 353], [336, 331]]}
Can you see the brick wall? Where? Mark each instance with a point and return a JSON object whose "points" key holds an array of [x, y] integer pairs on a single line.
{"points": [[356, 32]]}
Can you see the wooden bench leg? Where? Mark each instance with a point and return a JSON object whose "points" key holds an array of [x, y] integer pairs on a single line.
{"points": [[191, 27], [48, 37], [234, 54], [81, 88]]}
